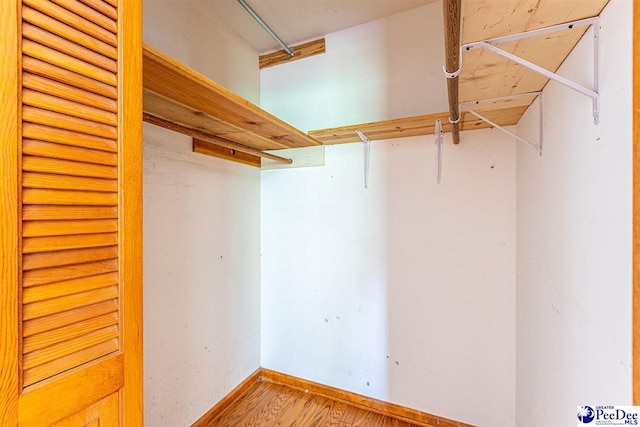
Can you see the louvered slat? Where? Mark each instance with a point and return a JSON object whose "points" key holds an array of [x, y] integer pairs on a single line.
{"points": [[40, 212], [88, 13], [60, 243], [71, 346], [67, 167], [73, 20], [62, 60], [57, 366], [68, 287], [66, 152], [102, 7], [67, 47], [62, 121], [45, 276], [61, 136], [62, 228], [57, 305], [62, 75], [68, 318], [61, 197], [61, 90], [61, 182], [76, 329], [69, 257], [70, 280], [70, 108], [61, 29]]}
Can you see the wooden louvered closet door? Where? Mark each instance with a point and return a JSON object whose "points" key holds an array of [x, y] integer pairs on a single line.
{"points": [[70, 213]]}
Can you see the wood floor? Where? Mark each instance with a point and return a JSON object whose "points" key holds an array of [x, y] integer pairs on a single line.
{"points": [[267, 404]]}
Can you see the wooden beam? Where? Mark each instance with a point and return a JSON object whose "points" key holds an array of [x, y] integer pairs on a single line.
{"points": [[193, 133], [302, 51], [213, 150], [416, 126], [451, 12]]}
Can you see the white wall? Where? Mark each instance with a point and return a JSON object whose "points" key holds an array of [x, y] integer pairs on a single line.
{"points": [[574, 239], [201, 236], [385, 69], [405, 291]]}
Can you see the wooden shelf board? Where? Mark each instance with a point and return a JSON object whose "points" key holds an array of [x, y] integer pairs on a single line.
{"points": [[177, 93], [416, 126], [487, 75], [302, 51], [485, 19], [204, 147]]}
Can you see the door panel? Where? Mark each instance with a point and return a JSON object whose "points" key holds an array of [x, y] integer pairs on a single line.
{"points": [[99, 414], [56, 399], [70, 215]]}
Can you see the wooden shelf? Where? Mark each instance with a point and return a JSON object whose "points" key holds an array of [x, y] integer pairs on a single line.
{"points": [[415, 126], [177, 94], [486, 75]]}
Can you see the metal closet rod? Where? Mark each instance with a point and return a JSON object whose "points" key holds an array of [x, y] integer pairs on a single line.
{"points": [[266, 27]]}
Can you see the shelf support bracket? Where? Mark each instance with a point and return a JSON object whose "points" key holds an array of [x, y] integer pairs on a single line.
{"points": [[366, 155], [439, 137], [490, 45], [464, 106]]}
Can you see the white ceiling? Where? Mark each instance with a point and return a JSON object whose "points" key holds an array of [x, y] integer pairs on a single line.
{"points": [[296, 21]]}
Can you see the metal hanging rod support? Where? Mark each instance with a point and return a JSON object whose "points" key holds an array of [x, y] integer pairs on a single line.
{"points": [[366, 151], [490, 46], [266, 27], [439, 137], [464, 106]]}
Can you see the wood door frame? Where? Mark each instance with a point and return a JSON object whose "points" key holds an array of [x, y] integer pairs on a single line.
{"points": [[9, 237], [636, 204], [130, 211]]}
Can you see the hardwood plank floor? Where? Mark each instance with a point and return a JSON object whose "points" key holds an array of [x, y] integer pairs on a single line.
{"points": [[266, 404]]}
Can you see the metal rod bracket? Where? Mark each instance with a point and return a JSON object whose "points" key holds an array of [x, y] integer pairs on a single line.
{"points": [[367, 156], [439, 138]]}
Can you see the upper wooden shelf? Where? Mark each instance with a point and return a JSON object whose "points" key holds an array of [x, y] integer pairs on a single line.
{"points": [[486, 75], [178, 94], [416, 126]]}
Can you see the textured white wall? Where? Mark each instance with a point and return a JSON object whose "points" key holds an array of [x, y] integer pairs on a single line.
{"points": [[385, 69], [405, 291], [574, 239], [201, 236]]}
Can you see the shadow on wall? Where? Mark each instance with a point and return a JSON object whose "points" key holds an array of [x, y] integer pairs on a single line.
{"points": [[198, 38], [201, 273]]}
